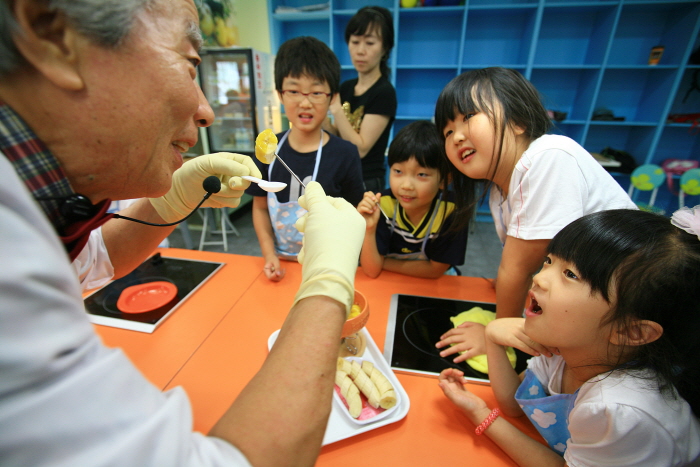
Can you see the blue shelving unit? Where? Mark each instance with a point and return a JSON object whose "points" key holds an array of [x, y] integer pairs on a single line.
{"points": [[581, 55]]}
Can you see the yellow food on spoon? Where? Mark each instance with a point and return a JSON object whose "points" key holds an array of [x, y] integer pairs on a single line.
{"points": [[265, 146]]}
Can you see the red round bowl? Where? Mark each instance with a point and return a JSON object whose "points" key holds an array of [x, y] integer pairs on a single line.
{"points": [[353, 325]]}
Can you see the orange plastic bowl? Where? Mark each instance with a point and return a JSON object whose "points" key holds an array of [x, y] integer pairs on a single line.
{"points": [[353, 325]]}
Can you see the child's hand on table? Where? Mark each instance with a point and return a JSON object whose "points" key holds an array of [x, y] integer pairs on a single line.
{"points": [[467, 337], [451, 381], [273, 270]]}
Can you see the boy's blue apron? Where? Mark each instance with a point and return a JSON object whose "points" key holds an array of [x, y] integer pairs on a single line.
{"points": [[284, 215], [419, 255], [549, 414]]}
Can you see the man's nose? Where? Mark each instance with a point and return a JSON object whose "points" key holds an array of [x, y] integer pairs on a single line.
{"points": [[205, 114]]}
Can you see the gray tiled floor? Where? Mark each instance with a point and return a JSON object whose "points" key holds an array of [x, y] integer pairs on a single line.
{"points": [[481, 260]]}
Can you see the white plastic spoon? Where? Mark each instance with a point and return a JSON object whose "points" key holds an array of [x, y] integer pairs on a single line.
{"points": [[272, 187]]}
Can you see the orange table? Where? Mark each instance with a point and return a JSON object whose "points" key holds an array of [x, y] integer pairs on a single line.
{"points": [[161, 355], [232, 345]]}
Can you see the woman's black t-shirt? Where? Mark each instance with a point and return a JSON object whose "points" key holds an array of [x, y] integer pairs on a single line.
{"points": [[380, 99]]}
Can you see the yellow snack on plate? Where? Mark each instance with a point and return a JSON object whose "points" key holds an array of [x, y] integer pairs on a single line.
{"points": [[387, 395], [265, 146], [349, 392], [365, 384]]}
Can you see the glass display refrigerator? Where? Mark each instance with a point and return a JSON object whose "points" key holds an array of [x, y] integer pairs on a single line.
{"points": [[239, 85]]}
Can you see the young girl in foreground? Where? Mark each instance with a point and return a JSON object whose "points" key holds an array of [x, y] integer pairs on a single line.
{"points": [[613, 325], [494, 126]]}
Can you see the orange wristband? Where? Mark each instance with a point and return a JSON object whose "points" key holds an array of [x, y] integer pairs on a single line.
{"points": [[488, 421]]}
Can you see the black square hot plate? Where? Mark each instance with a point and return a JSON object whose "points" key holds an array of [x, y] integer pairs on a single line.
{"points": [[186, 274], [415, 326]]}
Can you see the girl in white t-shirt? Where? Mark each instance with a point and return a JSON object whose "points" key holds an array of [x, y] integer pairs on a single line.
{"points": [[494, 124], [613, 324]]}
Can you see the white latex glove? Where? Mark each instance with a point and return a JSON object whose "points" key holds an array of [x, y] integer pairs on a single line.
{"points": [[333, 235], [186, 190]]}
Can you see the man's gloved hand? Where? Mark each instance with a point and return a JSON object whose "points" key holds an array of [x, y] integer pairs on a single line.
{"points": [[333, 235], [186, 190]]}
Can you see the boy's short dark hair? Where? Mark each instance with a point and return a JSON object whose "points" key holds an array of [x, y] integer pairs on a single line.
{"points": [[308, 56], [421, 141]]}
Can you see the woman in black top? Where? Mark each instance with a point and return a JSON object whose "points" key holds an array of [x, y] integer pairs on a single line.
{"points": [[366, 106]]}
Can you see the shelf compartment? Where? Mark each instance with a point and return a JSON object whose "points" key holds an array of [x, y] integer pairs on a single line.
{"points": [[643, 26], [577, 35], [688, 93], [636, 140], [357, 4], [554, 3], [418, 90], [677, 142], [339, 46], [347, 73], [639, 95], [574, 131], [287, 29], [426, 36], [502, 3], [502, 39], [402, 122], [567, 90]]}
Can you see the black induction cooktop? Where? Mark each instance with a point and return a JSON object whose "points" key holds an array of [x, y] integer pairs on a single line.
{"points": [[416, 324], [186, 274]]}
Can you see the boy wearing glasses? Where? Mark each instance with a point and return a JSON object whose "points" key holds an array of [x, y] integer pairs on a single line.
{"points": [[307, 76]]}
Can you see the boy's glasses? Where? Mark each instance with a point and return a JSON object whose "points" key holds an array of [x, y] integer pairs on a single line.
{"points": [[315, 97]]}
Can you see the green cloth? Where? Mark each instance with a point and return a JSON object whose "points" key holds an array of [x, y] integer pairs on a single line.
{"points": [[481, 316]]}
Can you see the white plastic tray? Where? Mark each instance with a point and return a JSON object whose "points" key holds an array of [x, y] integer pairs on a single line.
{"points": [[339, 425], [344, 409]]}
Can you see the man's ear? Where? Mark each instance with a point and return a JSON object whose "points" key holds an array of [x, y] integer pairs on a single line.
{"points": [[46, 41], [639, 332]]}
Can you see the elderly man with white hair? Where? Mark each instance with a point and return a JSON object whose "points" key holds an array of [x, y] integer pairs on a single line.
{"points": [[98, 101]]}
